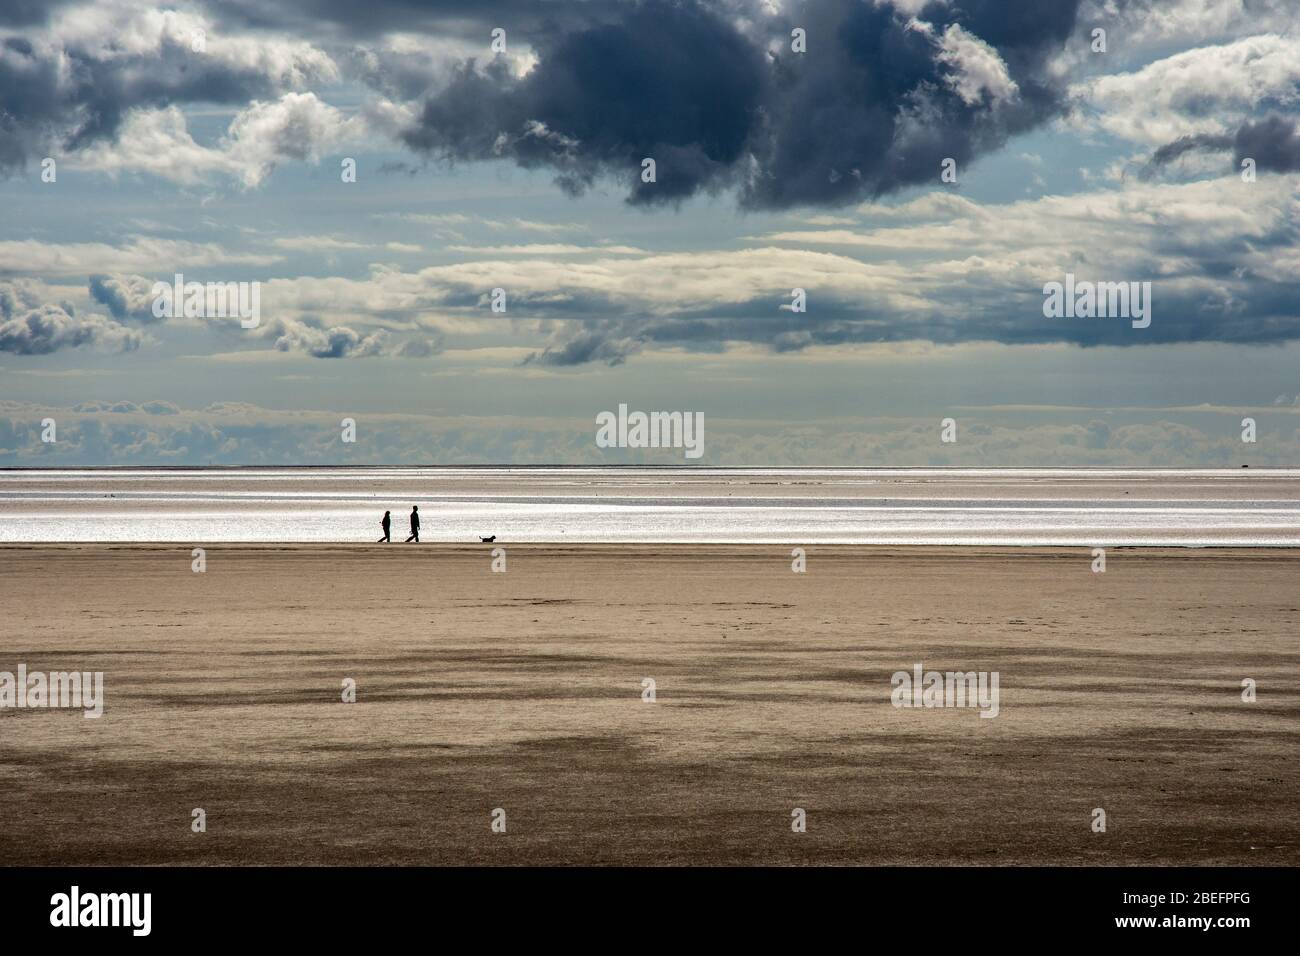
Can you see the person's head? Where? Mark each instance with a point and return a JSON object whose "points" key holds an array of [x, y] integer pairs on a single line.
{"points": [[415, 507], [387, 513]]}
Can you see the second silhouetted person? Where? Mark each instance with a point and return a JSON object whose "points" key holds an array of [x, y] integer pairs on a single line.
{"points": [[415, 525]]}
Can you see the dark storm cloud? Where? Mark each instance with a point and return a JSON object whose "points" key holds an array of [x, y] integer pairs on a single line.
{"points": [[711, 91], [875, 103], [871, 107], [29, 104], [1272, 142], [669, 81], [27, 13]]}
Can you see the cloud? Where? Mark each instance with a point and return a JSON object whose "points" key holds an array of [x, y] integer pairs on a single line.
{"points": [[671, 82], [311, 337], [458, 22], [297, 126], [31, 326], [548, 249], [421, 348], [70, 83], [319, 244], [976, 69], [158, 407], [22, 13], [1200, 92], [1273, 143], [716, 95], [1222, 257], [336, 342], [1146, 25], [874, 105], [588, 345], [138, 254], [125, 296]]}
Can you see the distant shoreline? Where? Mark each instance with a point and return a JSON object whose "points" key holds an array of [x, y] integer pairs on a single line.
{"points": [[961, 507]]}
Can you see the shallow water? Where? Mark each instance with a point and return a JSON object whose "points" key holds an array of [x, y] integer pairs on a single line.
{"points": [[1067, 507]]}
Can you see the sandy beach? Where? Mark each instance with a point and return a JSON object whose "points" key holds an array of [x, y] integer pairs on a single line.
{"points": [[523, 691]]}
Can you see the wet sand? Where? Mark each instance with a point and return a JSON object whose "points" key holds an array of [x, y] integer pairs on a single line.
{"points": [[863, 506], [523, 691]]}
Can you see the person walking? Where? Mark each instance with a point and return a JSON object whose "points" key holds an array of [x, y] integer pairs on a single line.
{"points": [[387, 525], [415, 525]]}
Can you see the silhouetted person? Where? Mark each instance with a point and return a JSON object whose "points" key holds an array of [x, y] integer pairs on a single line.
{"points": [[415, 525], [387, 525]]}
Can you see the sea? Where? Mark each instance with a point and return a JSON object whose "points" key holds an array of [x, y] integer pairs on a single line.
{"points": [[1068, 507]]}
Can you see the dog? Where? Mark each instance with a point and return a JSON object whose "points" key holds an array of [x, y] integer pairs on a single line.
{"points": [[488, 540]]}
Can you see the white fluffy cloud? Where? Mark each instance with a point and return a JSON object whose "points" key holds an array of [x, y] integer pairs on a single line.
{"points": [[1137, 25], [1206, 90], [977, 68], [297, 127], [125, 30]]}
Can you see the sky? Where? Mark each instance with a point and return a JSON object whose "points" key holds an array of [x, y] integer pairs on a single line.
{"points": [[920, 169]]}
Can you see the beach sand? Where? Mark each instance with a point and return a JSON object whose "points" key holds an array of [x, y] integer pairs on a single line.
{"points": [[523, 691]]}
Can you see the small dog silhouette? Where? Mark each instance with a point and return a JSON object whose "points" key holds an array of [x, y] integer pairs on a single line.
{"points": [[488, 540]]}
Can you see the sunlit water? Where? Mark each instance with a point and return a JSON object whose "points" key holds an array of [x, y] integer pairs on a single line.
{"points": [[1067, 507]]}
